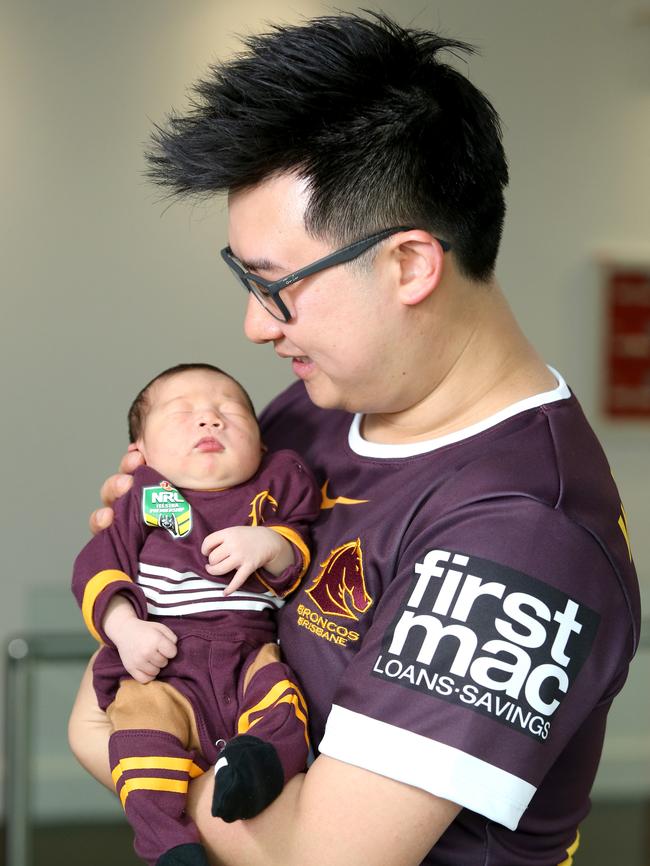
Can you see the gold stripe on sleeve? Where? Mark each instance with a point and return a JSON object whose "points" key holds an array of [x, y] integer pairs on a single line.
{"points": [[94, 588], [292, 536], [571, 850], [622, 523]]}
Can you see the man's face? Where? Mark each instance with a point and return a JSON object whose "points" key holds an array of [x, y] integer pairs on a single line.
{"points": [[199, 431], [343, 339]]}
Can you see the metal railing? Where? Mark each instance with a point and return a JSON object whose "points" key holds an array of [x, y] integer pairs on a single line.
{"points": [[23, 654]]}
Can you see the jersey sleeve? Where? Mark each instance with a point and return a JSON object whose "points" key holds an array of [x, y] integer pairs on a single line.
{"points": [[502, 635], [108, 565], [291, 506]]}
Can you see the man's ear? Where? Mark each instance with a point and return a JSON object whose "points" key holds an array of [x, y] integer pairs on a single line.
{"points": [[421, 261]]}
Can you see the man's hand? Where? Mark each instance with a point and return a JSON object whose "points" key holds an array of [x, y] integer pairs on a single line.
{"points": [[144, 647], [244, 549], [114, 487]]}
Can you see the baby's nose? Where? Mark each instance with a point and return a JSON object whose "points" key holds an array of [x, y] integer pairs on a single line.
{"points": [[210, 419]]}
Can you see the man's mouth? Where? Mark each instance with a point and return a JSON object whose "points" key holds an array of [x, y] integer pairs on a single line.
{"points": [[208, 444], [302, 365]]}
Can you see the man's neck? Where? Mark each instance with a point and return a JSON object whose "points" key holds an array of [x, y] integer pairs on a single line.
{"points": [[490, 366]]}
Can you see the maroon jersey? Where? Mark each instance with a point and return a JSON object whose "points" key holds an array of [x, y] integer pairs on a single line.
{"points": [[469, 614], [152, 552]]}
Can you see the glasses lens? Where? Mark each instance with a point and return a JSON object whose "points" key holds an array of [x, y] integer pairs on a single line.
{"points": [[265, 299]]}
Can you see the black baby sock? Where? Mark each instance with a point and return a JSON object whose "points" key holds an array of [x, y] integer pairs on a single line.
{"points": [[248, 776], [190, 854]]}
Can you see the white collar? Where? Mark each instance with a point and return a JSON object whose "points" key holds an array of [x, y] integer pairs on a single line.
{"points": [[365, 448]]}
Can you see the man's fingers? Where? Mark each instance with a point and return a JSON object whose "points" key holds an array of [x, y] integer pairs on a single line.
{"points": [[100, 519], [114, 487], [131, 460]]}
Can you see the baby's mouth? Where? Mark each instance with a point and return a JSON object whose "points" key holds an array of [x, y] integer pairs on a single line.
{"points": [[208, 444]]}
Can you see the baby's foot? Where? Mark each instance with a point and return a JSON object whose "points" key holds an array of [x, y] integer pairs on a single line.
{"points": [[248, 776], [190, 854]]}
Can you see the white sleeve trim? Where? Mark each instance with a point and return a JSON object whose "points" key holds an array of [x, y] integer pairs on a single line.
{"points": [[435, 767]]}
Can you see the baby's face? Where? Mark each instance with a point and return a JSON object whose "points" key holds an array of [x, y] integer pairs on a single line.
{"points": [[199, 432]]}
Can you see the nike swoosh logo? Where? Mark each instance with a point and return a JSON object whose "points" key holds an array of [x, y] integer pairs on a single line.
{"points": [[328, 502]]}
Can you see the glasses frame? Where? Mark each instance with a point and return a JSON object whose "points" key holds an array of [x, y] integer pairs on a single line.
{"points": [[264, 290]]}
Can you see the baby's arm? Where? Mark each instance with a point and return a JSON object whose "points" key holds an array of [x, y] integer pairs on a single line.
{"points": [[145, 647], [281, 546], [113, 606], [244, 549]]}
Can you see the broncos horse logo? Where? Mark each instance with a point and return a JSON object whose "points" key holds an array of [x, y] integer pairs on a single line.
{"points": [[340, 584], [257, 507]]}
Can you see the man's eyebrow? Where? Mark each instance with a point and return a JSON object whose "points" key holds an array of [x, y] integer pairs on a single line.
{"points": [[259, 264]]}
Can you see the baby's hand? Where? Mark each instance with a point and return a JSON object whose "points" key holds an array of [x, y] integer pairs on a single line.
{"points": [[244, 549], [145, 647]]}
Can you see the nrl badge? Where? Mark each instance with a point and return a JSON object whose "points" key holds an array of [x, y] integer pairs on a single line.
{"points": [[164, 506]]}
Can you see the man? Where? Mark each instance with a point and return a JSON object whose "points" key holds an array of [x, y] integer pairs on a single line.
{"points": [[472, 606]]}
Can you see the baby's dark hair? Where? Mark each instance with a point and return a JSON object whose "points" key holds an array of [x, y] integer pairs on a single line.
{"points": [[384, 132], [140, 406]]}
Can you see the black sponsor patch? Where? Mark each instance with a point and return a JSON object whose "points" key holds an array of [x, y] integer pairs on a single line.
{"points": [[481, 635]]}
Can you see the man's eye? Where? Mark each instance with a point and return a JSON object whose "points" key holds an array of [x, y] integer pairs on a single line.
{"points": [[260, 290]]}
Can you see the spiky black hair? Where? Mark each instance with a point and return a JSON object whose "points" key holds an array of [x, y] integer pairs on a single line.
{"points": [[384, 132]]}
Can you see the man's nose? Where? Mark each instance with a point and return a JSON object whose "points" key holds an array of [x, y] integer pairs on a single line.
{"points": [[259, 325]]}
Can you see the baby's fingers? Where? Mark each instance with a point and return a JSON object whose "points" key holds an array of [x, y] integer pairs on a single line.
{"points": [[158, 659], [142, 678], [221, 567], [210, 542], [167, 649], [241, 576], [166, 632], [145, 673]]}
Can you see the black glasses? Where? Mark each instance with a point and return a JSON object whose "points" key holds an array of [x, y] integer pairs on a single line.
{"points": [[268, 292]]}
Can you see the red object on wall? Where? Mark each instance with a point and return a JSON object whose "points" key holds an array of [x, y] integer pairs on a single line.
{"points": [[627, 376]]}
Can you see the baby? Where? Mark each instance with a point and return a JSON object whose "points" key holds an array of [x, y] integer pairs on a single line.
{"points": [[181, 591]]}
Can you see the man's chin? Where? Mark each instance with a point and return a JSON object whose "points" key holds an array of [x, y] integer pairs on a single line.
{"points": [[326, 397]]}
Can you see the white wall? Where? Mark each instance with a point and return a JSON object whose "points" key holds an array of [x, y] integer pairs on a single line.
{"points": [[102, 286]]}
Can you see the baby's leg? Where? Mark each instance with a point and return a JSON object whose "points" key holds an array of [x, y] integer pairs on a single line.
{"points": [[153, 755], [272, 741]]}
